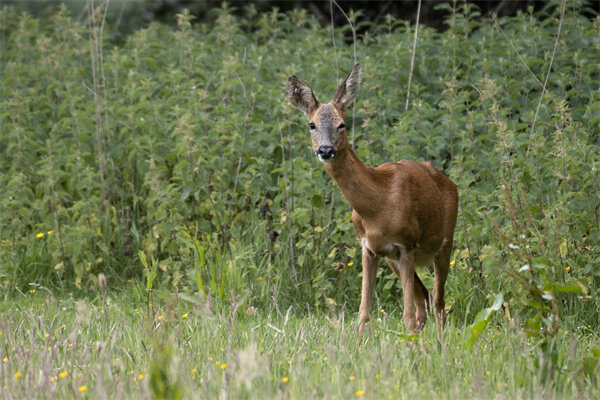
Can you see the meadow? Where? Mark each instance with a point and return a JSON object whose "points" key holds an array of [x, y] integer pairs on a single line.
{"points": [[167, 232]]}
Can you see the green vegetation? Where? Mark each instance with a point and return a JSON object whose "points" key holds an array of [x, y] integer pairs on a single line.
{"points": [[172, 164], [112, 350]]}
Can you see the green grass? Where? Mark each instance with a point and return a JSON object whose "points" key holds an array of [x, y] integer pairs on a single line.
{"points": [[181, 161], [115, 349]]}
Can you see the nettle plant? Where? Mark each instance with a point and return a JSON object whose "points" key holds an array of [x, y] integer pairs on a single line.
{"points": [[186, 129]]}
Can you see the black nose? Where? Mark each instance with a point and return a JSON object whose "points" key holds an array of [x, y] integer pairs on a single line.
{"points": [[326, 152]]}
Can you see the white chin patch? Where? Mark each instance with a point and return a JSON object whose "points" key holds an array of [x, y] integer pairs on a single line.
{"points": [[323, 160]]}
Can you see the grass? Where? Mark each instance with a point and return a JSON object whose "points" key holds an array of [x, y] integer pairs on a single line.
{"points": [[111, 347], [152, 195]]}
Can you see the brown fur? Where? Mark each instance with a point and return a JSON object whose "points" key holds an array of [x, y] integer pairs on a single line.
{"points": [[404, 211]]}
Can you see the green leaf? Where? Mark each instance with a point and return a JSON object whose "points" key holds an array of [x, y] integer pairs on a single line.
{"points": [[481, 320]]}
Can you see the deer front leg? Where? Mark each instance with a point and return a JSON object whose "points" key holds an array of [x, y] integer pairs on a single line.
{"points": [[369, 267], [407, 276]]}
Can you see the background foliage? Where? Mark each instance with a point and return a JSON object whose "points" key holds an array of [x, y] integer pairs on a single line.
{"points": [[176, 156]]}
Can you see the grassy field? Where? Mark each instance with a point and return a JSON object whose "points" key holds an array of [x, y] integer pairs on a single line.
{"points": [[170, 164], [110, 346]]}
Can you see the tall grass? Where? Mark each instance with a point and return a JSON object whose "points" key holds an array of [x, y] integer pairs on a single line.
{"points": [[176, 154], [72, 348]]}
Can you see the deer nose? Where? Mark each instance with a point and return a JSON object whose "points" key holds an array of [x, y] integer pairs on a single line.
{"points": [[325, 153]]}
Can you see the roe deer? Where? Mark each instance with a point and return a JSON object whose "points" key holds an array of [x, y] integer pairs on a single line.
{"points": [[403, 211]]}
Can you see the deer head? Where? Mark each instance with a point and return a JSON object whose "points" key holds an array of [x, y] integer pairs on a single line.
{"points": [[326, 121]]}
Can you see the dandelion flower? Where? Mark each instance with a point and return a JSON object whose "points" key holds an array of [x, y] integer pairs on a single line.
{"points": [[185, 315], [223, 366], [63, 374], [5, 359], [53, 378], [487, 372], [18, 374], [194, 371], [141, 376], [351, 263], [568, 269], [325, 358], [82, 388], [360, 393], [352, 378], [46, 335], [32, 291], [285, 379], [39, 235], [452, 263], [49, 232]]}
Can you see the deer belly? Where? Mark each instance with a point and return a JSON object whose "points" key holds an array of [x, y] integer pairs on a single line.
{"points": [[393, 251]]}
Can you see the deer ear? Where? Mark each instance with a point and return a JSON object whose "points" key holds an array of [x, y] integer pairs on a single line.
{"points": [[346, 93], [301, 95]]}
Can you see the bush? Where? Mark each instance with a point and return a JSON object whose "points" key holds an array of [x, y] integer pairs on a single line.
{"points": [[181, 144]]}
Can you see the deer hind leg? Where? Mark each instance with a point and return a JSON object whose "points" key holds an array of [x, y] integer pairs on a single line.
{"points": [[441, 269], [421, 295], [369, 266]]}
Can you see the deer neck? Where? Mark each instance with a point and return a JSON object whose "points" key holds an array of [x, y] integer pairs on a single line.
{"points": [[357, 183]]}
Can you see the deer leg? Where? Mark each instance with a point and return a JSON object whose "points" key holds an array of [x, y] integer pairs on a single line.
{"points": [[407, 277], [421, 295], [369, 266], [441, 269], [420, 302]]}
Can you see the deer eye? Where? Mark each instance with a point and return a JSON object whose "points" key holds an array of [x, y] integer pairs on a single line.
{"points": [[342, 126], [312, 126]]}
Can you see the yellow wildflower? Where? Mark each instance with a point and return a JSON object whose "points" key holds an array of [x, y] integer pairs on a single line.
{"points": [[452, 263], [82, 388], [49, 233], [223, 366], [32, 291], [360, 393], [5, 359], [568, 269], [141, 376], [46, 335], [53, 378], [194, 371], [351, 263], [325, 358], [487, 372], [63, 374], [18, 374], [185, 315], [39, 235], [285, 379], [352, 378]]}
